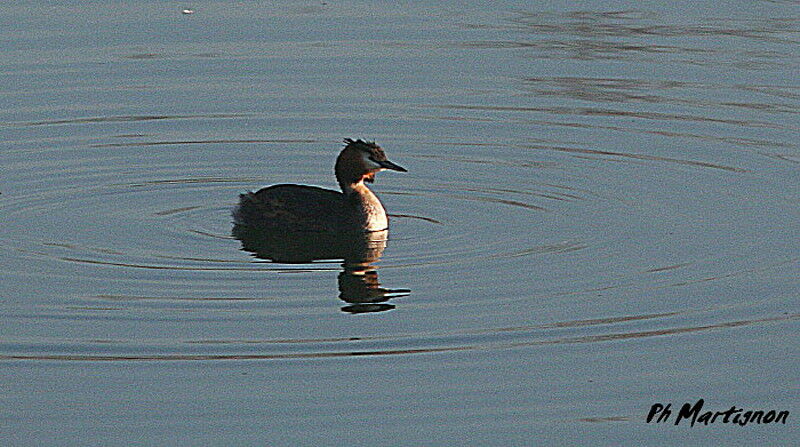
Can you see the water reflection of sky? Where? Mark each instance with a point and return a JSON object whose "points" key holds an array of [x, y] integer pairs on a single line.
{"points": [[598, 216]]}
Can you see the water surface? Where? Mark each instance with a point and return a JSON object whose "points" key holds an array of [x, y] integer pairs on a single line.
{"points": [[600, 214]]}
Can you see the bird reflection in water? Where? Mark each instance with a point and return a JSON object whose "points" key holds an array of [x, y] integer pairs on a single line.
{"points": [[358, 280]]}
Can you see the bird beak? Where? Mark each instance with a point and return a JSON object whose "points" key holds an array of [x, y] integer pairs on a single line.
{"points": [[386, 164]]}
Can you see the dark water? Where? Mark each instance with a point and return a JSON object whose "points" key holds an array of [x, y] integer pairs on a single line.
{"points": [[601, 213]]}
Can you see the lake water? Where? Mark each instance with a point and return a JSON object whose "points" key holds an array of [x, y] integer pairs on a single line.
{"points": [[600, 214]]}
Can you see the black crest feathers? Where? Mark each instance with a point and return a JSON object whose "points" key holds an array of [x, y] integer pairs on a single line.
{"points": [[349, 141]]}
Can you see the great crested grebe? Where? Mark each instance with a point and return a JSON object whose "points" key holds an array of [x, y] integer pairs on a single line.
{"points": [[301, 208]]}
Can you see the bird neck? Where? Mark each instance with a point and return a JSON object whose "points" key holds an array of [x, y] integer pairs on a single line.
{"points": [[370, 211]]}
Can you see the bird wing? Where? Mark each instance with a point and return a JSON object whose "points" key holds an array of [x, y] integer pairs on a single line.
{"points": [[294, 207]]}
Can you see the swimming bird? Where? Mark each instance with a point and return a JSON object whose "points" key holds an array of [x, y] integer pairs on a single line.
{"points": [[299, 208]]}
